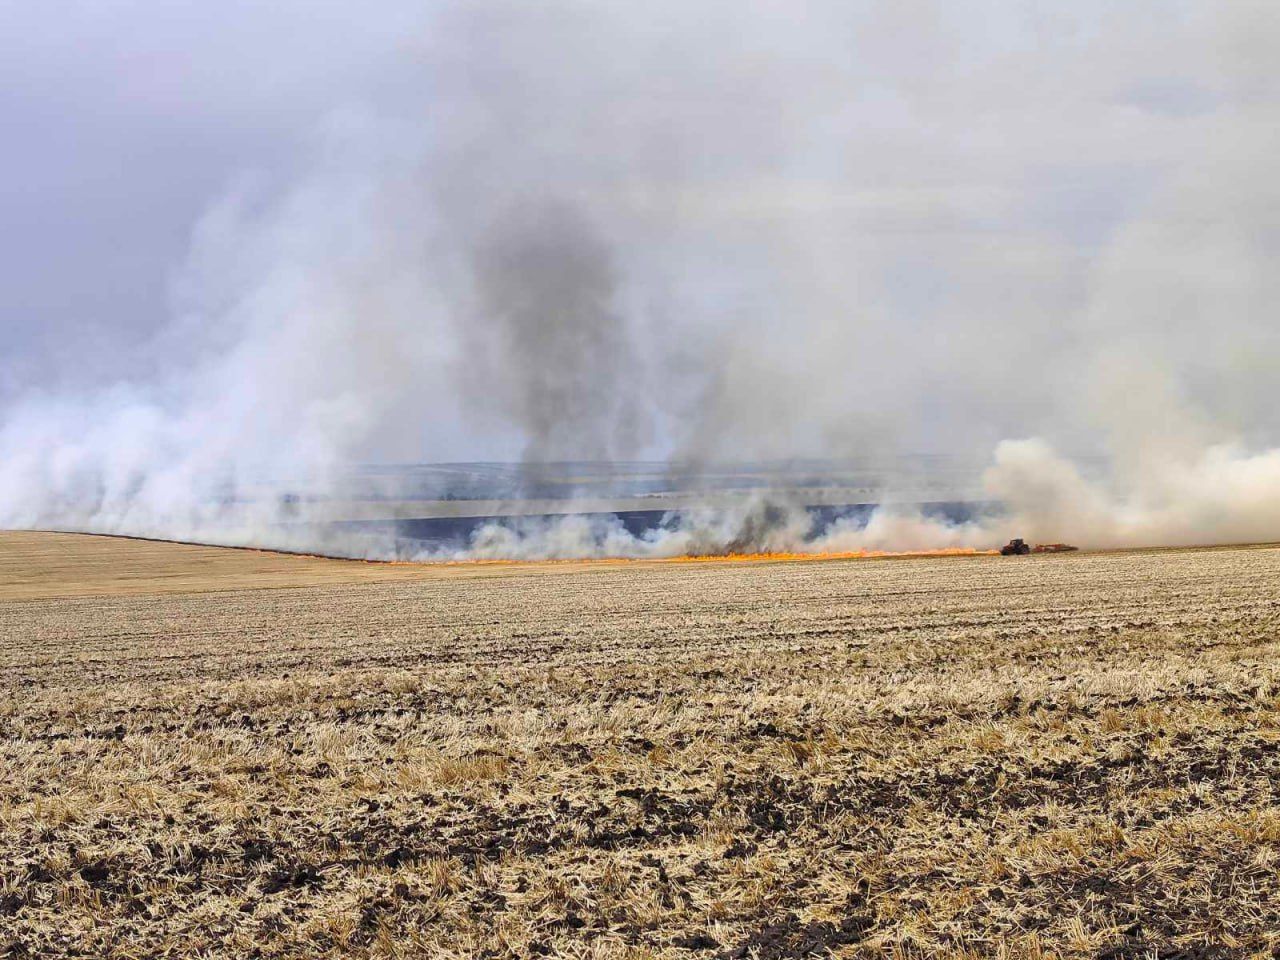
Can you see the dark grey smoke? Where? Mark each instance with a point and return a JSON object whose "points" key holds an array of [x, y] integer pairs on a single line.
{"points": [[548, 348]]}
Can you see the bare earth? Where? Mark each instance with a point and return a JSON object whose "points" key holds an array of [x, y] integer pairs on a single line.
{"points": [[1073, 756], [45, 565]]}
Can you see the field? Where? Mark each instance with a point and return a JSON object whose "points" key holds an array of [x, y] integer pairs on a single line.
{"points": [[210, 753]]}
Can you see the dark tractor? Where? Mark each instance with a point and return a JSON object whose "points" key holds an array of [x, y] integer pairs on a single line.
{"points": [[1015, 548]]}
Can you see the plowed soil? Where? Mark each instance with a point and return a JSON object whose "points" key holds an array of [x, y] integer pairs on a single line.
{"points": [[1073, 755]]}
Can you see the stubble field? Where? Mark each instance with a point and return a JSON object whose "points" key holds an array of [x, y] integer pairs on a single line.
{"points": [[211, 753]]}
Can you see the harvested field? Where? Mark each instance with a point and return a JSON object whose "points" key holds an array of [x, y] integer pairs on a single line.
{"points": [[1073, 755]]}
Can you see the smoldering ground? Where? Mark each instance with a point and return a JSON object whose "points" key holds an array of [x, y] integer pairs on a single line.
{"points": [[702, 233]]}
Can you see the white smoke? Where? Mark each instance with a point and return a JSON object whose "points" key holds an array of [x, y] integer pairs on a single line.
{"points": [[728, 233], [1222, 495]]}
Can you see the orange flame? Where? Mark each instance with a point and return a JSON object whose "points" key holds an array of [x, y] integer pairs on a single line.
{"points": [[698, 558], [833, 555], [780, 557]]}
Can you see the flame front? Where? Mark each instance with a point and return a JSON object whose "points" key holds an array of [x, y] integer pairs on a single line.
{"points": [[782, 557]]}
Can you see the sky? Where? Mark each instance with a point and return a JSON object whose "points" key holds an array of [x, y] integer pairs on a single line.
{"points": [[262, 238], [126, 121]]}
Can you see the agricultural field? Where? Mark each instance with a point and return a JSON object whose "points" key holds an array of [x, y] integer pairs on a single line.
{"points": [[217, 753]]}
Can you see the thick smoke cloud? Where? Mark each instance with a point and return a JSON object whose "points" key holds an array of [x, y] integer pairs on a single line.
{"points": [[701, 232], [547, 348]]}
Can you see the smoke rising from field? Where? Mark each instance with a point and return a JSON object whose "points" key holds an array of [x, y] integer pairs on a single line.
{"points": [[707, 233], [548, 350]]}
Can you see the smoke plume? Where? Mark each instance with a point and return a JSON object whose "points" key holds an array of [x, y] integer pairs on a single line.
{"points": [[548, 349], [697, 233]]}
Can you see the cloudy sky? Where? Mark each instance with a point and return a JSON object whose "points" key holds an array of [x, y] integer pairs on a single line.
{"points": [[771, 229]]}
